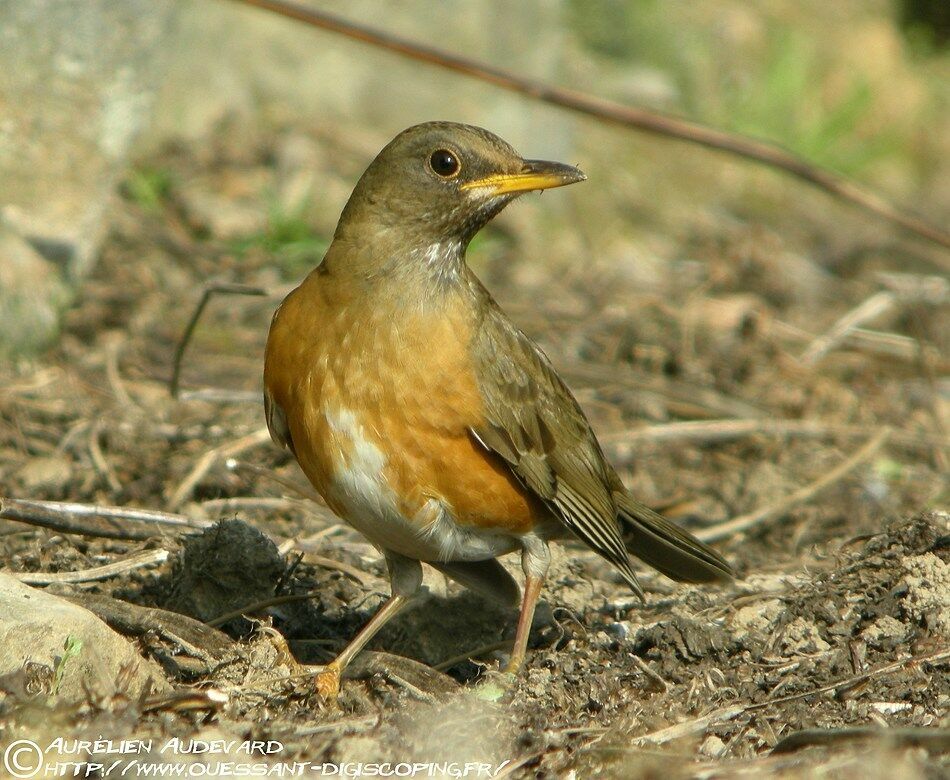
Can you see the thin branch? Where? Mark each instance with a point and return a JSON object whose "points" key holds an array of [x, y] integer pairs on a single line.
{"points": [[191, 635], [870, 309], [99, 460], [249, 504], [688, 398], [103, 522], [650, 672], [306, 492], [257, 606], [186, 700], [936, 740], [213, 289], [203, 466], [694, 726], [113, 346], [711, 431], [894, 345], [362, 577], [220, 395], [457, 659], [770, 512], [617, 113], [149, 558], [939, 656]]}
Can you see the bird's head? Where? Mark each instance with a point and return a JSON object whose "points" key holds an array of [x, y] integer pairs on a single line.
{"points": [[441, 182]]}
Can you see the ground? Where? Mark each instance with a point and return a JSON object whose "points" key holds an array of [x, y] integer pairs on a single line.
{"points": [[836, 629]]}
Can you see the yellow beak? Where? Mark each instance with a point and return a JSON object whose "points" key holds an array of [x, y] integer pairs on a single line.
{"points": [[535, 175]]}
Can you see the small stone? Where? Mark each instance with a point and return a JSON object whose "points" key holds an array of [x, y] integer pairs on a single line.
{"points": [[222, 216], [890, 707], [757, 618], [619, 630], [712, 746], [51, 472], [883, 629], [802, 638], [32, 294], [79, 652]]}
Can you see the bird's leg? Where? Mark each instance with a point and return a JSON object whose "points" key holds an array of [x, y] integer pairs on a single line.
{"points": [[406, 577], [535, 559]]}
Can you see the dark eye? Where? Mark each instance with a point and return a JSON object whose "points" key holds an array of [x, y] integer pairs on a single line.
{"points": [[444, 163]]}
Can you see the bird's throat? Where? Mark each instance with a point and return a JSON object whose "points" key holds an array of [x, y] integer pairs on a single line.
{"points": [[423, 268], [442, 260]]}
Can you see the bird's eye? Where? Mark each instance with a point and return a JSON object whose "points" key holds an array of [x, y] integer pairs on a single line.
{"points": [[444, 163]]}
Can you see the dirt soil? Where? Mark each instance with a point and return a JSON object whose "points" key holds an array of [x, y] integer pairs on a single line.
{"points": [[836, 631]]}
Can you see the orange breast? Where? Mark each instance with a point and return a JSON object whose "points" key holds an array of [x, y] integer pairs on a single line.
{"points": [[403, 379]]}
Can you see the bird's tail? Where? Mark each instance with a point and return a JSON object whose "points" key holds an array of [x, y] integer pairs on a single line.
{"points": [[666, 547]]}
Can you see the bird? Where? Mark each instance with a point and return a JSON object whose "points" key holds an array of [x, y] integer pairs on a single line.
{"points": [[424, 417]]}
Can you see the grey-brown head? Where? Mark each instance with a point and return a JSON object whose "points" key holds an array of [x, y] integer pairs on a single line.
{"points": [[441, 182]]}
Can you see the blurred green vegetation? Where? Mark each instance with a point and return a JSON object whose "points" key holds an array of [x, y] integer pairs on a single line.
{"points": [[845, 85], [289, 238], [785, 105], [148, 187]]}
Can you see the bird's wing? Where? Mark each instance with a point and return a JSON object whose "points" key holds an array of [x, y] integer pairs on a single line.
{"points": [[534, 423], [277, 422]]}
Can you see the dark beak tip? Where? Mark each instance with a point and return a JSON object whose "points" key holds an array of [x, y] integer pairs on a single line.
{"points": [[570, 174], [567, 172]]}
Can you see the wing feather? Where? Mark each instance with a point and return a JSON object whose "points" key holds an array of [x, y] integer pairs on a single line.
{"points": [[277, 422], [535, 424]]}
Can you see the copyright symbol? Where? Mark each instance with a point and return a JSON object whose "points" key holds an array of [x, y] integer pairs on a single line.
{"points": [[23, 758]]}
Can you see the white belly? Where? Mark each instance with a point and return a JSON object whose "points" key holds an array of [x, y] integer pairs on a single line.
{"points": [[369, 504]]}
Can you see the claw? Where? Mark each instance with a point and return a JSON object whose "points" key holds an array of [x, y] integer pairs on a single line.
{"points": [[328, 683]]}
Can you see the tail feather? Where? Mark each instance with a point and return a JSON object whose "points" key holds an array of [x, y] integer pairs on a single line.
{"points": [[669, 549]]}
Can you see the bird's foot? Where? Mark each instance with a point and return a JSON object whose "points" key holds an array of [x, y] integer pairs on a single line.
{"points": [[514, 665], [327, 683]]}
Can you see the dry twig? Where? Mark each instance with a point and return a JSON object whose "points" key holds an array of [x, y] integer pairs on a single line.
{"points": [[104, 522], [933, 739], [344, 568], [183, 491], [220, 395], [317, 560], [870, 309], [99, 460], [257, 606], [770, 512], [248, 503], [113, 346], [895, 345], [457, 659], [212, 289], [149, 558], [710, 431], [186, 700], [650, 672], [101, 522], [683, 397], [192, 636]]}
